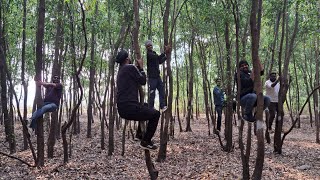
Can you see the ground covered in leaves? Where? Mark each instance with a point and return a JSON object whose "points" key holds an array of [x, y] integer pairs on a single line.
{"points": [[190, 155]]}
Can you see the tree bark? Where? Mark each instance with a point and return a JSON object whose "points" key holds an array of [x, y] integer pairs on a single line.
{"points": [[39, 101], [255, 35], [190, 85], [56, 71], [92, 72], [229, 112]]}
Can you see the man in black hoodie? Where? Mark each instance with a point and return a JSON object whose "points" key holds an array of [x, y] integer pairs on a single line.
{"points": [[248, 97], [154, 79], [130, 78]]}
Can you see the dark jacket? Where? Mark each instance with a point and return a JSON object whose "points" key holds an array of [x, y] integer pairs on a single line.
{"points": [[246, 83], [218, 95], [153, 61], [128, 81], [53, 94]]}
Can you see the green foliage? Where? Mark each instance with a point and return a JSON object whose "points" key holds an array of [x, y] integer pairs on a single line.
{"points": [[206, 19]]}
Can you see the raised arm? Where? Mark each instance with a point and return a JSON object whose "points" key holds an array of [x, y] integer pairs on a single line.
{"points": [[139, 74]]}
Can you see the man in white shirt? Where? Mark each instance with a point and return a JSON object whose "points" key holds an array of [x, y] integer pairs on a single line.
{"points": [[272, 90]]}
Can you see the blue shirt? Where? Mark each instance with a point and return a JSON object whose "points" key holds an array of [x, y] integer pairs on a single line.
{"points": [[218, 96]]}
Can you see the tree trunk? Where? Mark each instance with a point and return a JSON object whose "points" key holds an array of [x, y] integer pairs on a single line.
{"points": [[190, 85], [255, 35], [8, 121], [202, 57], [316, 95], [92, 72], [56, 71], [39, 101], [229, 113], [24, 82]]}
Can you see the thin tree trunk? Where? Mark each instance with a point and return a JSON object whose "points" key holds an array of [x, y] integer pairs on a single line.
{"points": [[39, 101], [92, 72], [316, 95], [255, 23], [190, 85], [203, 64], [24, 82], [55, 71], [228, 115]]}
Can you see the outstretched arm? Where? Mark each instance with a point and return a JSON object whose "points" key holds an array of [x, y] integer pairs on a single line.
{"points": [[46, 84], [139, 74]]}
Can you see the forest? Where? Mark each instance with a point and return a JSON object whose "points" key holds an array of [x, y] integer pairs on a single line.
{"points": [[76, 42]]}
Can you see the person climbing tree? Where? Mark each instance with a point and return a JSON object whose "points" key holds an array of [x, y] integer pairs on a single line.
{"points": [[248, 98], [129, 78], [154, 79], [51, 100]]}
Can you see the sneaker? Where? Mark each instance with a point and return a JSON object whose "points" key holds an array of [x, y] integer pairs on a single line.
{"points": [[162, 110], [249, 118], [148, 145]]}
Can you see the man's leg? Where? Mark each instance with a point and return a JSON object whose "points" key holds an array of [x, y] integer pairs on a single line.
{"points": [[137, 112], [219, 112], [49, 107], [160, 88], [266, 102], [247, 102], [272, 112], [152, 91]]}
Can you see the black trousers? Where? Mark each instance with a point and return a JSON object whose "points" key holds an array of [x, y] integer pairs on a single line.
{"points": [[273, 109], [137, 112], [219, 113]]}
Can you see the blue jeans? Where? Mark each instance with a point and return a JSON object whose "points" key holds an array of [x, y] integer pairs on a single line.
{"points": [[249, 101], [47, 107], [219, 113], [156, 83]]}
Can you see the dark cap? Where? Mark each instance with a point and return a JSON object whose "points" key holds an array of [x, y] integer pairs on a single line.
{"points": [[243, 62], [122, 56]]}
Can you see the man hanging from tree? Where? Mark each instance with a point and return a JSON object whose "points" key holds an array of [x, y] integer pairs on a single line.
{"points": [[154, 79], [51, 101], [272, 91], [129, 78], [248, 97]]}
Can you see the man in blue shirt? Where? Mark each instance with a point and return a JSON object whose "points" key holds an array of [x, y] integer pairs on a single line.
{"points": [[218, 101]]}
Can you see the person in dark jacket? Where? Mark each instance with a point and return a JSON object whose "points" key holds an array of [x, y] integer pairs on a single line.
{"points": [[51, 100], [248, 97], [154, 79], [130, 78]]}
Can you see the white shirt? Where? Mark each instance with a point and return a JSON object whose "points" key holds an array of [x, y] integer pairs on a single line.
{"points": [[272, 92]]}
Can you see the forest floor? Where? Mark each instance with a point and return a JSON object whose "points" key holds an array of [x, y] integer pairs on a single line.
{"points": [[190, 155]]}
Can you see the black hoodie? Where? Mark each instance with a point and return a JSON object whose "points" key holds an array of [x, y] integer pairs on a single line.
{"points": [[153, 61]]}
